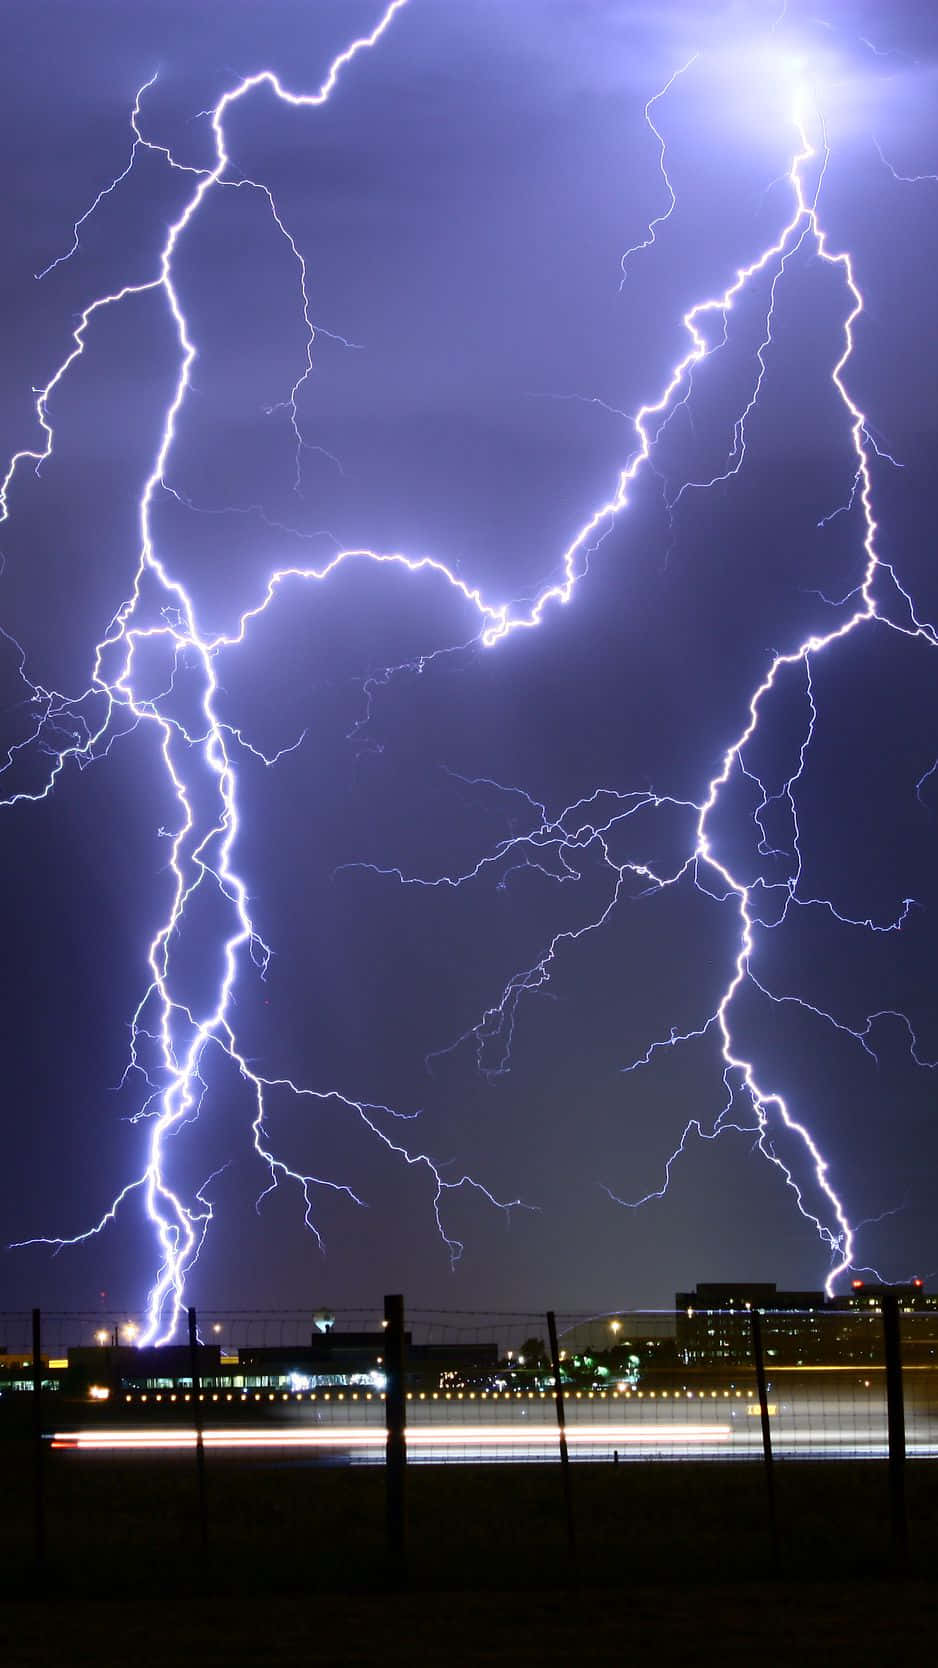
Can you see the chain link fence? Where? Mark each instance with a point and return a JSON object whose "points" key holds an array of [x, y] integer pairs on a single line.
{"points": [[247, 1437]]}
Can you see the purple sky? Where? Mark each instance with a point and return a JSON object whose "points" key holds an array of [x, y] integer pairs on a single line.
{"points": [[463, 203]]}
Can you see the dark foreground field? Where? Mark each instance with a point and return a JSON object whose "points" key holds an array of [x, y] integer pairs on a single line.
{"points": [[674, 1565], [802, 1625]]}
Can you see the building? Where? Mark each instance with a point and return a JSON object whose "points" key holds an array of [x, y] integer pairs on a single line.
{"points": [[340, 1360], [127, 1367], [868, 1294], [16, 1371], [714, 1326], [356, 1359], [802, 1329], [331, 1360], [856, 1318]]}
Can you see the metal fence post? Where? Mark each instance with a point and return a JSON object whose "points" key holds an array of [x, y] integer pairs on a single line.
{"points": [[39, 1501], [895, 1418], [395, 1408], [759, 1364], [197, 1418], [562, 1429]]}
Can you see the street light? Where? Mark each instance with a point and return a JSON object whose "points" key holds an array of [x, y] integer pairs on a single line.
{"points": [[615, 1327], [130, 1330], [102, 1336]]}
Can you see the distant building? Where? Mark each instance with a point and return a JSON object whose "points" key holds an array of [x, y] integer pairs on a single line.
{"points": [[16, 1371], [714, 1327], [126, 1367], [348, 1359], [803, 1328], [330, 1360], [868, 1294], [858, 1326], [451, 1366]]}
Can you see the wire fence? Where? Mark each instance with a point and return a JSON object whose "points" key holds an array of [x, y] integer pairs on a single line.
{"points": [[217, 1431]]}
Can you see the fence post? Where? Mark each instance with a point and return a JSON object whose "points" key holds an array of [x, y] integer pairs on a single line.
{"points": [[395, 1408], [39, 1501], [759, 1364], [895, 1418], [197, 1418], [562, 1429]]}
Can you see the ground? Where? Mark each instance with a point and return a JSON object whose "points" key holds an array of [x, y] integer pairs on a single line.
{"points": [[674, 1563], [728, 1623]]}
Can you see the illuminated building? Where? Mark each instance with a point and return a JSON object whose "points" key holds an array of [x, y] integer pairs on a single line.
{"points": [[801, 1328], [341, 1359], [714, 1326], [330, 1360], [125, 1367], [859, 1332]]}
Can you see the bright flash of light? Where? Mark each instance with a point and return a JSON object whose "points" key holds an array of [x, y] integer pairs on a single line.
{"points": [[556, 843], [170, 1036]]}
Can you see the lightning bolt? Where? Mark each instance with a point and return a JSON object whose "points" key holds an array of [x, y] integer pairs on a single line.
{"points": [[659, 219], [171, 1035], [558, 845], [903, 179], [160, 612]]}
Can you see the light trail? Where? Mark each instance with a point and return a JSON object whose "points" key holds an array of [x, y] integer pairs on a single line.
{"points": [[470, 1444], [541, 1435], [170, 1036]]}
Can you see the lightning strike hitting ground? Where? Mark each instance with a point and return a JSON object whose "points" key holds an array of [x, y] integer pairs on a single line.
{"points": [[171, 1036], [572, 834], [202, 844]]}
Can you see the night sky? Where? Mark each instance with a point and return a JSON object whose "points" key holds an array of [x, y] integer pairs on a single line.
{"points": [[463, 203]]}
